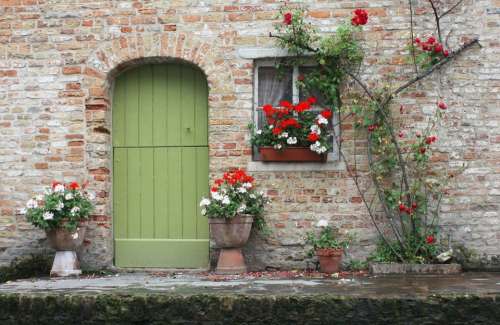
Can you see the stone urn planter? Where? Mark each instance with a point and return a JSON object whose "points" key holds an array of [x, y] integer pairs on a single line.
{"points": [[230, 235], [330, 259], [291, 154], [66, 243]]}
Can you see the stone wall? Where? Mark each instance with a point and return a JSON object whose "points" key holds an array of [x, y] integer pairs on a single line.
{"points": [[57, 64]]}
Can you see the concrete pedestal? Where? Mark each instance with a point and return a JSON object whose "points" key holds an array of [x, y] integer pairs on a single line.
{"points": [[65, 264], [231, 261]]}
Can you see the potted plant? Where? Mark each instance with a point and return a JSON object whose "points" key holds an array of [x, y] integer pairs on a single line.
{"points": [[234, 205], [328, 246], [293, 133], [62, 211]]}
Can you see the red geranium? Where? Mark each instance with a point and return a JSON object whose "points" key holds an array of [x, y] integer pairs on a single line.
{"points": [[312, 100], [326, 113], [302, 106], [360, 17], [430, 239], [73, 186], [277, 131], [54, 184], [268, 110], [291, 122], [285, 103], [313, 137], [287, 18]]}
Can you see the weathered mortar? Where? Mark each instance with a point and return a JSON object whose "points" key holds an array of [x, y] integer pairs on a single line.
{"points": [[56, 67]]}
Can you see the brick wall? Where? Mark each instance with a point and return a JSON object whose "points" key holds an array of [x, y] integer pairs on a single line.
{"points": [[57, 64]]}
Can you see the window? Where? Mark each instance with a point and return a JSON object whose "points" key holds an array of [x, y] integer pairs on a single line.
{"points": [[272, 85]]}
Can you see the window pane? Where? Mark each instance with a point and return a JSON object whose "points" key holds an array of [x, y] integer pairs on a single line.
{"points": [[274, 85], [304, 71]]}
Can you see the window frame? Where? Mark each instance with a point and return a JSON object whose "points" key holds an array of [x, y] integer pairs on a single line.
{"points": [[258, 63]]}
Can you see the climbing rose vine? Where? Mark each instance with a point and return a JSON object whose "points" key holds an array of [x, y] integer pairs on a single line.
{"points": [[407, 184]]}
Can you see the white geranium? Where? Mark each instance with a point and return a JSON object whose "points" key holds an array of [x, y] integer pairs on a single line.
{"points": [[315, 129], [216, 196], [59, 206], [204, 202], [247, 185], [226, 200], [252, 196], [322, 223], [283, 135], [59, 188], [278, 146], [75, 235], [203, 212], [68, 196], [32, 204], [270, 126], [23, 211], [322, 120], [291, 140], [39, 197], [318, 148], [259, 132], [242, 189], [48, 215], [74, 211], [242, 208], [48, 191]]}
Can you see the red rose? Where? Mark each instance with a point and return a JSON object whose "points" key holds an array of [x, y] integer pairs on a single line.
{"points": [[360, 17], [287, 18], [401, 134], [414, 205], [431, 40], [313, 137], [430, 239], [446, 53], [402, 207], [442, 105], [422, 150], [372, 127], [326, 113], [417, 40], [73, 186], [438, 48]]}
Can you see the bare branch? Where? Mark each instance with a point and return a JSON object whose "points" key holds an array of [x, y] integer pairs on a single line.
{"points": [[451, 9], [412, 35], [436, 16]]}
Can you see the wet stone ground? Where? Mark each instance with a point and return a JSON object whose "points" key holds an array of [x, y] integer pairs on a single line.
{"points": [[274, 298], [275, 284]]}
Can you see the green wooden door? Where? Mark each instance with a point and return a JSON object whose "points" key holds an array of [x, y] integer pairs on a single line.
{"points": [[160, 167]]}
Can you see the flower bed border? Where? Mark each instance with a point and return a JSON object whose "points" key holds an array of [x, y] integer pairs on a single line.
{"points": [[403, 268]]}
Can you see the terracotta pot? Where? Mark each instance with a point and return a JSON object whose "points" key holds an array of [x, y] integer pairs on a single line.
{"points": [[330, 259], [231, 233], [61, 239], [291, 154]]}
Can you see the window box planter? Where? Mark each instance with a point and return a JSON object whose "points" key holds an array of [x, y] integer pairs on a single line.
{"points": [[401, 268], [291, 154]]}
